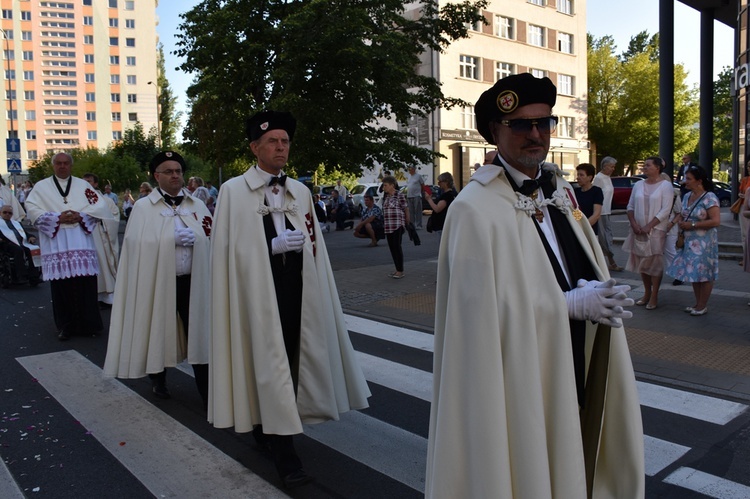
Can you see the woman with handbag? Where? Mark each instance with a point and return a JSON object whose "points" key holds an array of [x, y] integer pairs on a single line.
{"points": [[697, 261], [648, 212]]}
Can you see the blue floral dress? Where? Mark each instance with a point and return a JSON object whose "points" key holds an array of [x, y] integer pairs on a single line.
{"points": [[698, 260]]}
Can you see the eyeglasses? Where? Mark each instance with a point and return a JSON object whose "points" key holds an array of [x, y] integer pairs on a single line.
{"points": [[171, 172], [523, 126], [6, 212]]}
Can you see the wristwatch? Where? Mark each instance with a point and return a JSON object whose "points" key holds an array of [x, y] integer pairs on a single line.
{"points": [[693, 225]]}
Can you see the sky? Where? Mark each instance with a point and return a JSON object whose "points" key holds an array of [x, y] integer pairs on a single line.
{"points": [[621, 20]]}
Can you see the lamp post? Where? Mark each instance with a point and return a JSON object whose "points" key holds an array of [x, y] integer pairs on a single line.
{"points": [[10, 92], [158, 116]]}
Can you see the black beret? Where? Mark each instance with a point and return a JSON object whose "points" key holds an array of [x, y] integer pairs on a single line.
{"points": [[265, 121], [507, 95], [166, 156]]}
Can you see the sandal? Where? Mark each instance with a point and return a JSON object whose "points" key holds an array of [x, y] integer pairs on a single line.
{"points": [[397, 276], [642, 301]]}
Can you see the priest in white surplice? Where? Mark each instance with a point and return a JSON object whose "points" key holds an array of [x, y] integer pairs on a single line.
{"points": [[107, 242]]}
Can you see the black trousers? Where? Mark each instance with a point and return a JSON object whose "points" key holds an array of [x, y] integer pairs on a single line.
{"points": [[75, 305], [394, 244], [183, 310], [23, 264]]}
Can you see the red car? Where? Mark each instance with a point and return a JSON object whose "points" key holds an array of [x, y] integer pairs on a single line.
{"points": [[623, 188]]}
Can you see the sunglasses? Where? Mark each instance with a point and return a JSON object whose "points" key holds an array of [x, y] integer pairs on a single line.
{"points": [[522, 126]]}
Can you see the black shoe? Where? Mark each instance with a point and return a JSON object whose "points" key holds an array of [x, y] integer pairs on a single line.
{"points": [[161, 392], [676, 282], [296, 479], [63, 335]]}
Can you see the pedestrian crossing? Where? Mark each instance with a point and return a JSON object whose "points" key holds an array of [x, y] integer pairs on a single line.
{"points": [[139, 434]]}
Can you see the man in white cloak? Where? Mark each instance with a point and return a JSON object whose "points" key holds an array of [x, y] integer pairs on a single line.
{"points": [[14, 241], [66, 210], [7, 198], [281, 354], [534, 392], [107, 242], [160, 314]]}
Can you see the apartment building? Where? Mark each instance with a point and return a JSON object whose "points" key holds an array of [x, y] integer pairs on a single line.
{"points": [[76, 73], [543, 37]]}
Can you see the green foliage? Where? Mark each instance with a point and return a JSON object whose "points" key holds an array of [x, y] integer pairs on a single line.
{"points": [[120, 172], [723, 101], [169, 118], [338, 74], [623, 101], [136, 144]]}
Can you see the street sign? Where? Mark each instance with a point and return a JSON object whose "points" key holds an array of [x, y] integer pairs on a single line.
{"points": [[13, 145], [14, 166], [13, 155]]}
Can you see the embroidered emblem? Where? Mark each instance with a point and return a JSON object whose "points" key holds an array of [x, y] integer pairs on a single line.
{"points": [[91, 196], [309, 224], [507, 101], [206, 224], [577, 213], [168, 154], [264, 126]]}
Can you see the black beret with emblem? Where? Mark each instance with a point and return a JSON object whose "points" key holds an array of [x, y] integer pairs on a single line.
{"points": [[265, 121], [507, 95], [166, 156]]}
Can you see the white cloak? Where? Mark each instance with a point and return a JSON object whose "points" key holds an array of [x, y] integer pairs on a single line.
{"points": [[107, 244], [67, 249], [505, 421], [10, 236], [250, 379], [145, 333], [7, 197]]}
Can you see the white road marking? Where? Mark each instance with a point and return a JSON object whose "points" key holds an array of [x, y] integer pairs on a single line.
{"points": [[709, 485], [395, 334], [693, 405], [395, 376], [660, 454], [8, 487], [114, 414]]}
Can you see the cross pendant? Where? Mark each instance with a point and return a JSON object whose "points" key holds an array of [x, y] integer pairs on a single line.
{"points": [[539, 215], [275, 190], [65, 200]]}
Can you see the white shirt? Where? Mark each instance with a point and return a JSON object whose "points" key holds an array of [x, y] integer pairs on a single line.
{"points": [[604, 182], [275, 200]]}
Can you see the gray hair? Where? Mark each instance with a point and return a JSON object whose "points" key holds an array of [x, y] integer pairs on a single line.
{"points": [[608, 160]]}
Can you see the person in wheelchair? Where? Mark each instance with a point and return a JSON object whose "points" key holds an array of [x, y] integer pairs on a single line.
{"points": [[15, 244]]}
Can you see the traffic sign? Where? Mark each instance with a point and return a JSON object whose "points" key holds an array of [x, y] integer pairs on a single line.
{"points": [[13, 145], [14, 166], [13, 155]]}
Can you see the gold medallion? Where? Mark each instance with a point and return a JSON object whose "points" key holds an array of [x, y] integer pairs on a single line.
{"points": [[577, 214]]}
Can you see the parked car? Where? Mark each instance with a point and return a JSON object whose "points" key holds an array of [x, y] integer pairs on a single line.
{"points": [[723, 191], [358, 195], [623, 187]]}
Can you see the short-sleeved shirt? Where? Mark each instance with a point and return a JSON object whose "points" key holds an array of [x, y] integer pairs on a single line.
{"points": [[587, 200], [394, 209], [414, 186], [374, 211]]}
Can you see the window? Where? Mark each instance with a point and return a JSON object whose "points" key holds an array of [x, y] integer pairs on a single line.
{"points": [[477, 26], [131, 80], [503, 69], [130, 23], [25, 35], [132, 116], [10, 74], [536, 35], [565, 6], [538, 73], [505, 27], [564, 84], [565, 127], [112, 4], [10, 95], [130, 42], [113, 22], [114, 79], [537, 2], [90, 115], [13, 134], [88, 20], [89, 77], [28, 55], [88, 39], [117, 135], [30, 134], [91, 135], [132, 98], [9, 55], [116, 117], [25, 15], [114, 97], [28, 75], [28, 95], [12, 115], [7, 13], [469, 67], [114, 60], [90, 96], [114, 41], [86, 2], [30, 115], [468, 119], [130, 61], [565, 43], [31, 154], [88, 58], [129, 5]]}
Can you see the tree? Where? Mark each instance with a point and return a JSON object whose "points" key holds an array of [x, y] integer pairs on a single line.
{"points": [[136, 144], [120, 172], [169, 118], [341, 75], [623, 100], [723, 123]]}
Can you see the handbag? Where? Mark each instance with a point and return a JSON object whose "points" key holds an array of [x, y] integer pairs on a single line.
{"points": [[642, 245], [736, 206], [680, 243]]}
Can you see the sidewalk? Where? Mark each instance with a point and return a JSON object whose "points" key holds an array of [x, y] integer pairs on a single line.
{"points": [[709, 354]]}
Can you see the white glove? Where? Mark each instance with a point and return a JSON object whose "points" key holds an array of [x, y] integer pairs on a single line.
{"points": [[289, 240], [184, 237], [599, 302]]}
